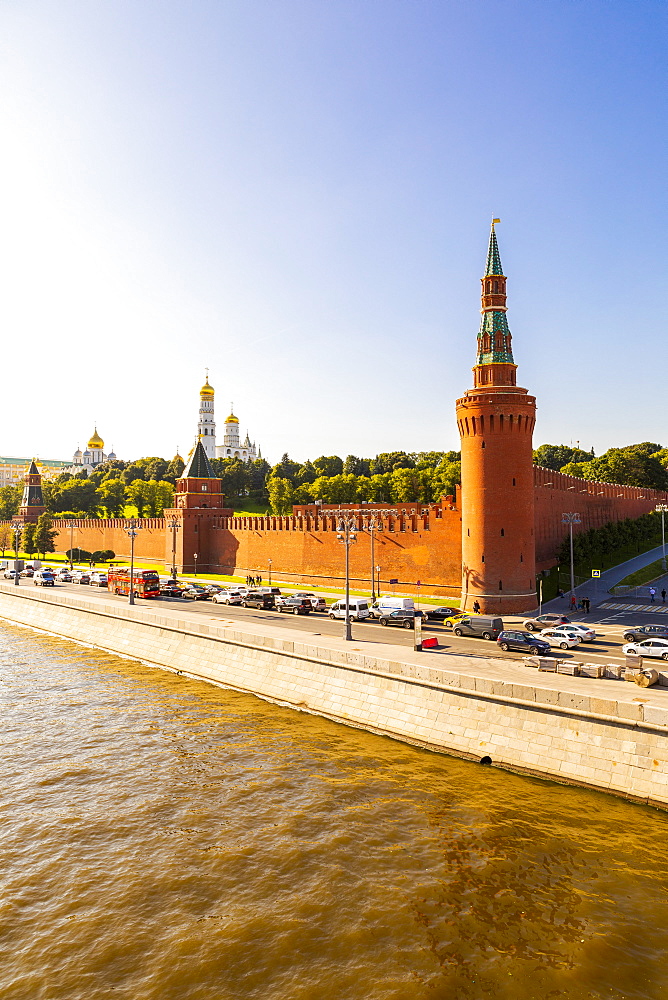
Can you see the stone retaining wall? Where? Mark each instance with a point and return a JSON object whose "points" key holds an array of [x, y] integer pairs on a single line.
{"points": [[595, 733]]}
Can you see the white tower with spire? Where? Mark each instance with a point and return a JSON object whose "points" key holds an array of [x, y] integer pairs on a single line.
{"points": [[232, 446], [206, 427]]}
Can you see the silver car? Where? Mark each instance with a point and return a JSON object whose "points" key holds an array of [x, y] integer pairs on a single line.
{"points": [[648, 647]]}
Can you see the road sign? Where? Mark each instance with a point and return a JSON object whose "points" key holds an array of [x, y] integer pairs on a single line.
{"points": [[596, 573], [394, 580]]}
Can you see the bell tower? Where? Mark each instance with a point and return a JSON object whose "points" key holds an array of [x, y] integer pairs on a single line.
{"points": [[496, 420]]}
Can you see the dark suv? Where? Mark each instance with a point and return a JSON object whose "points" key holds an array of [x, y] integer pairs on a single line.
{"points": [[404, 618], [297, 605], [644, 632], [525, 642], [256, 599]]}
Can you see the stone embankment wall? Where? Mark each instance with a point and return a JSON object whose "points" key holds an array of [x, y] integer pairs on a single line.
{"points": [[594, 733]]}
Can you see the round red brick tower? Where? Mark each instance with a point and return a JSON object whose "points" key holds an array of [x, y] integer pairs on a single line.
{"points": [[496, 420]]}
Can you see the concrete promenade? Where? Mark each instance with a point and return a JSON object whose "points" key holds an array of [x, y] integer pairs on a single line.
{"points": [[605, 734]]}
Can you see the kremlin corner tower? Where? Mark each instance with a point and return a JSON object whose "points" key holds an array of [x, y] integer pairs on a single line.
{"points": [[496, 420]]}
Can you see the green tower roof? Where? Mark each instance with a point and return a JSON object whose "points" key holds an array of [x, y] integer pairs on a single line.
{"points": [[199, 466], [493, 255]]}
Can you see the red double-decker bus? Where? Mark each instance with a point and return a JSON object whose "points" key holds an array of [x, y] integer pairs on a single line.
{"points": [[145, 582]]}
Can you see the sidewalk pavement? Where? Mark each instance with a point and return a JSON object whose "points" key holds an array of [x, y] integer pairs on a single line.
{"points": [[598, 590]]}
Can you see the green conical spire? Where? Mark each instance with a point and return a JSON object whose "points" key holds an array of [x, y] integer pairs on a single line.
{"points": [[493, 255], [198, 466]]}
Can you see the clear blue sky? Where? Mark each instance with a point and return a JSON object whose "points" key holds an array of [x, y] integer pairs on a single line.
{"points": [[298, 195]]}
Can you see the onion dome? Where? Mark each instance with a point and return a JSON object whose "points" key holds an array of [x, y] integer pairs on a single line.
{"points": [[112, 455], [232, 419], [87, 453], [77, 453], [206, 390], [96, 441]]}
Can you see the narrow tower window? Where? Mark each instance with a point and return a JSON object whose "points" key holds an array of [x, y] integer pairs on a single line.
{"points": [[502, 532], [483, 444], [514, 483], [483, 558], [500, 584]]}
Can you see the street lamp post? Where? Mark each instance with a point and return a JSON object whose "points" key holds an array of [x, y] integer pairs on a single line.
{"points": [[195, 558], [378, 575], [269, 562], [661, 508], [71, 526], [17, 529], [347, 533], [174, 524], [133, 530], [570, 520]]}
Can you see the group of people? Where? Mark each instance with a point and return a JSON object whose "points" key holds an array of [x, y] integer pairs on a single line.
{"points": [[253, 581], [576, 603], [652, 595]]}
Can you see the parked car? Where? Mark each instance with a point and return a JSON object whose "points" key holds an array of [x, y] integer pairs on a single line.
{"points": [[170, 588], [258, 599], [358, 608], [317, 603], [9, 574], [560, 637], [525, 642], [80, 576], [44, 578], [212, 589], [447, 616], [405, 619], [297, 605], [28, 571], [648, 647], [385, 605], [64, 576], [545, 621], [228, 597], [98, 580], [479, 626], [585, 633], [276, 591], [640, 632], [193, 592]]}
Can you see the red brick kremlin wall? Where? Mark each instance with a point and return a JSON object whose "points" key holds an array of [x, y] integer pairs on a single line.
{"points": [[420, 542], [597, 503]]}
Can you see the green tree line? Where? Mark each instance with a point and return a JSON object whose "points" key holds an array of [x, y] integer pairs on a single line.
{"points": [[644, 465]]}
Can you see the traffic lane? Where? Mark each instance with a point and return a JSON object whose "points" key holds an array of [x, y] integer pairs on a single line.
{"points": [[318, 623], [321, 624]]}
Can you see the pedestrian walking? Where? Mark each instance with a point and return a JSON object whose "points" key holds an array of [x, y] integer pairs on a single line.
{"points": [[259, 581], [587, 603], [663, 596], [560, 593], [573, 602], [476, 608], [652, 593]]}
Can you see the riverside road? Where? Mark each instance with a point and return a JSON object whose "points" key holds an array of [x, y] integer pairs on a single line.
{"points": [[608, 623]]}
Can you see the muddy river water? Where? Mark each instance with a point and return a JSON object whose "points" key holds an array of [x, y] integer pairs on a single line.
{"points": [[163, 839]]}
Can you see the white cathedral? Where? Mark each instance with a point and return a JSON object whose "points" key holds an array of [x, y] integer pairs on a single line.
{"points": [[232, 446]]}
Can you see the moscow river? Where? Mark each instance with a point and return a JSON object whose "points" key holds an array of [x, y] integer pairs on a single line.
{"points": [[164, 839]]}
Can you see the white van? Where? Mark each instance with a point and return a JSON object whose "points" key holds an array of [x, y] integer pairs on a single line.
{"points": [[358, 608], [44, 578], [384, 605]]}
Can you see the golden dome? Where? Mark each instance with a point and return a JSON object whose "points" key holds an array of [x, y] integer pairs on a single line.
{"points": [[96, 441], [232, 419], [206, 390]]}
